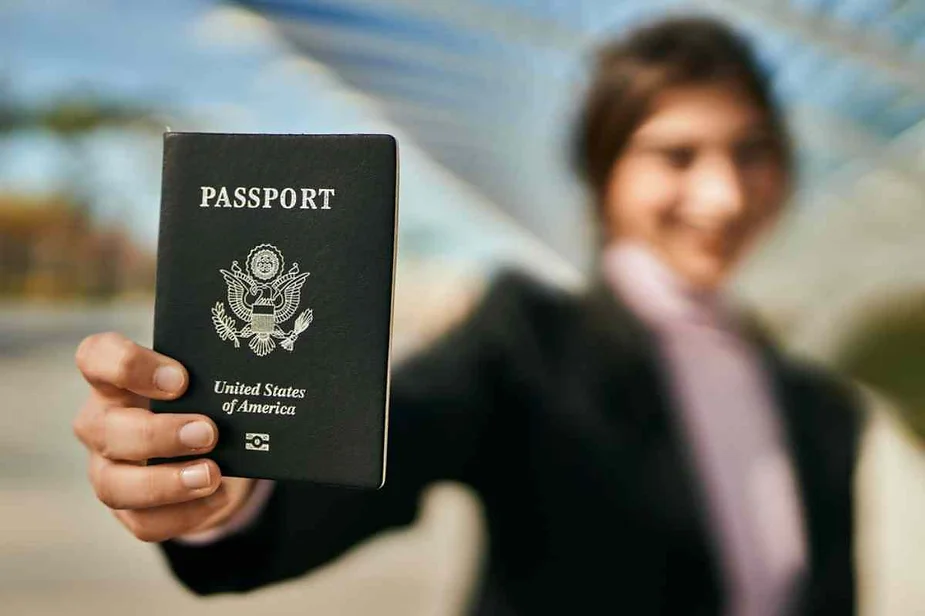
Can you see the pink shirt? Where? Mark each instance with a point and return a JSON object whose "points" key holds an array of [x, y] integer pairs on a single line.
{"points": [[732, 426]]}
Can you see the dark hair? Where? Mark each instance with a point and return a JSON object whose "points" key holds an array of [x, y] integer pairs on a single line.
{"points": [[631, 72]]}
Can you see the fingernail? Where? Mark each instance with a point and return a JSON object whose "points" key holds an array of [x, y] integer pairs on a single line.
{"points": [[195, 477], [168, 378], [197, 434]]}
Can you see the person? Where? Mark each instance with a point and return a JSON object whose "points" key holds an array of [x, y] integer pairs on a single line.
{"points": [[640, 447]]}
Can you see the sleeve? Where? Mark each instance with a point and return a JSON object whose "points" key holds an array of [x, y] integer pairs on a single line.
{"points": [[243, 519], [832, 419], [836, 587], [441, 404]]}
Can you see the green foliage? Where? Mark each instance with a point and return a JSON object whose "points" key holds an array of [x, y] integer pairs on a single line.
{"points": [[888, 353], [74, 116]]}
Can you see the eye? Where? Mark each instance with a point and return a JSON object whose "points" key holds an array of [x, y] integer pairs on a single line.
{"points": [[679, 157]]}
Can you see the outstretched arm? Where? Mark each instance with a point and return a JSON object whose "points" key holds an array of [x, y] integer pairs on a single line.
{"points": [[441, 403]]}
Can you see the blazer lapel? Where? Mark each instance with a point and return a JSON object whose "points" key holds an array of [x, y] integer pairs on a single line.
{"points": [[636, 385]]}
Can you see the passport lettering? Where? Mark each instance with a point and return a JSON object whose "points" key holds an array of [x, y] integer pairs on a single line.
{"points": [[281, 406], [266, 197]]}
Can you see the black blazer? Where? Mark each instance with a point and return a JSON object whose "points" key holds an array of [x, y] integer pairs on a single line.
{"points": [[554, 409]]}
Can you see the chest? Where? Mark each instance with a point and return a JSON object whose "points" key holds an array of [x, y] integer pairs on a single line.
{"points": [[608, 440], [599, 481], [599, 489]]}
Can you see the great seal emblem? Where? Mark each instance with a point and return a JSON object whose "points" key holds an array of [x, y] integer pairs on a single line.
{"points": [[264, 299]]}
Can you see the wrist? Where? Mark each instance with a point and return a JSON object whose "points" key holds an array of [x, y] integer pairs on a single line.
{"points": [[249, 500]]}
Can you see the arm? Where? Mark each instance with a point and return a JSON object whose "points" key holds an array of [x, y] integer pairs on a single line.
{"points": [[441, 402]]}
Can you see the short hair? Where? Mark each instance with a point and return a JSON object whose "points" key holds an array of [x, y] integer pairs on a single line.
{"points": [[631, 72]]}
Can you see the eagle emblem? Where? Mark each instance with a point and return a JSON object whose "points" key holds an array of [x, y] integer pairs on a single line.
{"points": [[264, 298]]}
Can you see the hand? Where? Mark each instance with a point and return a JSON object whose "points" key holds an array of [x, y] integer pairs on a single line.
{"points": [[154, 502]]}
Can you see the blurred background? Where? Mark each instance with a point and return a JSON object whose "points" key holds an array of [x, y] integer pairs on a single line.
{"points": [[481, 95]]}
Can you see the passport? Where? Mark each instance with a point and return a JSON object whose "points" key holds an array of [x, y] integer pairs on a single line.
{"points": [[275, 272]]}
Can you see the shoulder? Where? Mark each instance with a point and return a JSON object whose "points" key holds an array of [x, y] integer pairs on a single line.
{"points": [[517, 308], [825, 398], [505, 338], [516, 293], [516, 316], [823, 383]]}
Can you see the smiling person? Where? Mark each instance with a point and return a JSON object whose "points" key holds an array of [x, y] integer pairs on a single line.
{"points": [[639, 448]]}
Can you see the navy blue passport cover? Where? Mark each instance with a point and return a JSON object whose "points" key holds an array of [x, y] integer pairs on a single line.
{"points": [[274, 288]]}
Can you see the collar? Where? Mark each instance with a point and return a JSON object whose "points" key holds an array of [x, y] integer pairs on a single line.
{"points": [[658, 295]]}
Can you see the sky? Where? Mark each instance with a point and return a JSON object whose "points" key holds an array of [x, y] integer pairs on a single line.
{"points": [[203, 65], [195, 64], [199, 65]]}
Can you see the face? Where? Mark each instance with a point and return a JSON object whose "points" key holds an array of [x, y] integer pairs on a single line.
{"points": [[699, 181]]}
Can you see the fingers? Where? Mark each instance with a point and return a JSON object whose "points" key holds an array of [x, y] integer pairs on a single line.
{"points": [[112, 363], [170, 521], [135, 435], [154, 502], [128, 486]]}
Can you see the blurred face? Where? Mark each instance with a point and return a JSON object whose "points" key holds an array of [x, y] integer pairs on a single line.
{"points": [[698, 182]]}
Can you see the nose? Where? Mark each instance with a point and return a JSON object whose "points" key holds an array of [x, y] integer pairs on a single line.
{"points": [[716, 189]]}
